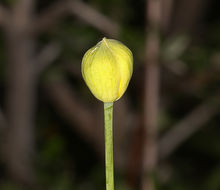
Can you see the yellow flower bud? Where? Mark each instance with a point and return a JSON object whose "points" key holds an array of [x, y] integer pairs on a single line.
{"points": [[107, 69]]}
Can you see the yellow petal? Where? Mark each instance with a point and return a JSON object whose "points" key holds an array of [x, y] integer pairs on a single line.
{"points": [[107, 69]]}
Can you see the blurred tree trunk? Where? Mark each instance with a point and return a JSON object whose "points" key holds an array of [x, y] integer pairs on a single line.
{"points": [[20, 95], [151, 97]]}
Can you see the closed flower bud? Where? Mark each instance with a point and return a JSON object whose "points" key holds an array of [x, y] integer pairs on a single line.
{"points": [[107, 69]]}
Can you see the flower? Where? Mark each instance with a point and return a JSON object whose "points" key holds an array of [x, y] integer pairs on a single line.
{"points": [[107, 69]]}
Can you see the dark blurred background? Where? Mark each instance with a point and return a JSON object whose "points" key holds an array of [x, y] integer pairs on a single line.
{"points": [[166, 126]]}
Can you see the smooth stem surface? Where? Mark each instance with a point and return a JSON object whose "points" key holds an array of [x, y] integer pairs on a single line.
{"points": [[109, 168]]}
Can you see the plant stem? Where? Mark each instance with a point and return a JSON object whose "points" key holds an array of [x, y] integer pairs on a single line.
{"points": [[109, 168]]}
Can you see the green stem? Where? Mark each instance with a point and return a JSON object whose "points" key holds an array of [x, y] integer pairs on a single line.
{"points": [[109, 168]]}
